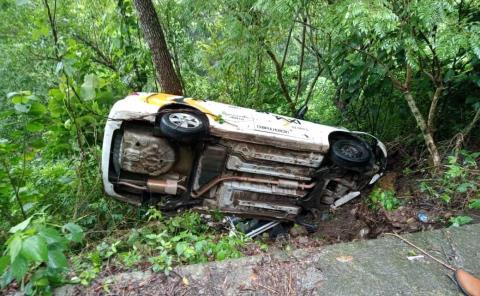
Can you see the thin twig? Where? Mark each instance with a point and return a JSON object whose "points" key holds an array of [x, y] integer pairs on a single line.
{"points": [[267, 288], [423, 251]]}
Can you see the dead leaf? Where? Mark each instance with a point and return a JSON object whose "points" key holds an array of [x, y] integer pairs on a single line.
{"points": [[185, 281], [344, 259]]}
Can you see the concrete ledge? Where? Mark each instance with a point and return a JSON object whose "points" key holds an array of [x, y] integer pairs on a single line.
{"points": [[373, 267]]}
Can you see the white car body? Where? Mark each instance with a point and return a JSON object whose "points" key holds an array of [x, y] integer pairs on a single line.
{"points": [[294, 145]]}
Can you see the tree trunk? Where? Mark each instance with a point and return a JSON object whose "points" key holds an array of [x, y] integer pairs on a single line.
{"points": [[426, 132], [153, 32]]}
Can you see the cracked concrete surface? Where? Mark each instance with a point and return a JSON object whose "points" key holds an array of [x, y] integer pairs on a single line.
{"points": [[369, 267]]}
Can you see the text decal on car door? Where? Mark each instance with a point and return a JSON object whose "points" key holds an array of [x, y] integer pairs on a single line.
{"points": [[274, 130]]}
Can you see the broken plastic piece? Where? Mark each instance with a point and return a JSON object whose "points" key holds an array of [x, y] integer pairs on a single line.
{"points": [[344, 199], [263, 228]]}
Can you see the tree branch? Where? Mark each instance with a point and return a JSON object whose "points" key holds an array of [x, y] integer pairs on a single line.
{"points": [[433, 108], [51, 19], [461, 136], [283, 86], [302, 56], [284, 58], [312, 86], [103, 58]]}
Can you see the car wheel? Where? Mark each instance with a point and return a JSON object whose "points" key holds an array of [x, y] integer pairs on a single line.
{"points": [[116, 150], [349, 153], [183, 126]]}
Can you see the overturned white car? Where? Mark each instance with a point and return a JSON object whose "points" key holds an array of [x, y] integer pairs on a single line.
{"points": [[172, 152]]}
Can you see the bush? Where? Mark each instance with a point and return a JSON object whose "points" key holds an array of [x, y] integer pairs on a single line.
{"points": [[385, 199], [37, 248]]}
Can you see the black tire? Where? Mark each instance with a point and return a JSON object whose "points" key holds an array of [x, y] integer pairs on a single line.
{"points": [[183, 126], [350, 153], [116, 145]]}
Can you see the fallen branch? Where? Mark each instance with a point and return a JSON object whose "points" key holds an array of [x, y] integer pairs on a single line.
{"points": [[460, 137], [423, 251]]}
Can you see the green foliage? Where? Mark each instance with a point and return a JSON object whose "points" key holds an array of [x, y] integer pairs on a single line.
{"points": [[163, 243], [474, 204], [184, 239], [58, 80], [460, 220], [385, 199], [458, 183], [37, 248]]}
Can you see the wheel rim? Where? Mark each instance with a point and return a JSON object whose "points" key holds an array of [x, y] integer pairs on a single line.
{"points": [[351, 151], [184, 120]]}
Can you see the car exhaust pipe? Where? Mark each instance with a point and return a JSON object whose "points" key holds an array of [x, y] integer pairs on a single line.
{"points": [[166, 186], [281, 183]]}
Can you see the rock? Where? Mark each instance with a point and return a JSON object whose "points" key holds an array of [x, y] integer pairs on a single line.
{"points": [[303, 240], [325, 216], [404, 218], [387, 182], [298, 230], [363, 233], [354, 211]]}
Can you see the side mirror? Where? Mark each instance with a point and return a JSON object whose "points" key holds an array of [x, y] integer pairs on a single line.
{"points": [[301, 112]]}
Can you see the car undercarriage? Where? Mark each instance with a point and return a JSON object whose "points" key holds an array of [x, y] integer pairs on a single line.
{"points": [[154, 165]]}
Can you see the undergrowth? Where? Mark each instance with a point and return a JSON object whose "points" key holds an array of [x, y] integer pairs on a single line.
{"points": [[160, 244], [457, 186], [37, 250], [385, 199]]}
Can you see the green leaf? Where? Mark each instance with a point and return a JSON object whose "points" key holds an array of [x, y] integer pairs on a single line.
{"points": [[51, 235], [22, 2], [34, 248], [56, 259], [445, 197], [6, 278], [19, 99], [34, 126], [28, 206], [90, 83], [462, 188], [59, 68], [37, 143], [220, 255], [460, 220], [85, 120], [4, 261], [19, 267], [15, 246], [12, 94], [40, 32], [21, 108], [37, 109], [21, 226], [474, 204], [75, 232], [180, 248]]}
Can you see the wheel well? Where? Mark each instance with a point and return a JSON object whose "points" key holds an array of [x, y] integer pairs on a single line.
{"points": [[181, 106], [344, 135], [335, 136], [178, 107]]}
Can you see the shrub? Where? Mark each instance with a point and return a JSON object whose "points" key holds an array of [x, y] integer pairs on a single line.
{"points": [[37, 248]]}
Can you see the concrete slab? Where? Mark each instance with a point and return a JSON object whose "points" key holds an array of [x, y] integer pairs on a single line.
{"points": [[373, 267]]}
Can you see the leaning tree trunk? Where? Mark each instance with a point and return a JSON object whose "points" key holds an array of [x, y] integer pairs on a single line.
{"points": [[426, 132], [152, 29]]}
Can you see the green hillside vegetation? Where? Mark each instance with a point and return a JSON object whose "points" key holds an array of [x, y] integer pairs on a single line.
{"points": [[406, 71]]}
